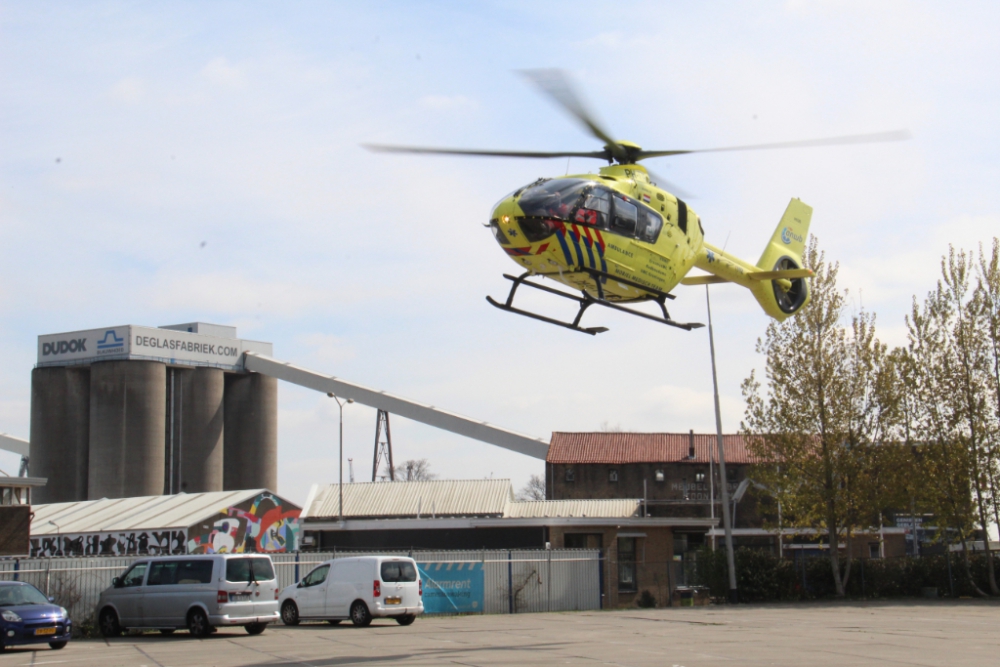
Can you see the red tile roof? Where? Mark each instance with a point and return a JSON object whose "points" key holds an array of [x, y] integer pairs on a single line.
{"points": [[605, 447]]}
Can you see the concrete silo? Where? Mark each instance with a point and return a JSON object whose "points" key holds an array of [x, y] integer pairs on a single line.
{"points": [[60, 427], [127, 422], [251, 432], [195, 458]]}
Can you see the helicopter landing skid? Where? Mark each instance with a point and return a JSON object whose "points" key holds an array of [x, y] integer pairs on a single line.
{"points": [[585, 302]]}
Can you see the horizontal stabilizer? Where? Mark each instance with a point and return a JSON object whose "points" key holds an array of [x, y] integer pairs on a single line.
{"points": [[786, 274], [703, 280]]}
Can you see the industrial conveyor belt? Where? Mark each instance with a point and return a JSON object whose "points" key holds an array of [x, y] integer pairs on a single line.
{"points": [[14, 444], [426, 414]]}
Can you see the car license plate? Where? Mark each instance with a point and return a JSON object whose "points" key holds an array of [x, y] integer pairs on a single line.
{"points": [[393, 600], [239, 597], [45, 631]]}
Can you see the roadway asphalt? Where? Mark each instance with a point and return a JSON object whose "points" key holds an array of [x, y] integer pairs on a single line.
{"points": [[887, 634]]}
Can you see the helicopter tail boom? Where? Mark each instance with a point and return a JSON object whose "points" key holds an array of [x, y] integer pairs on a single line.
{"points": [[778, 280]]}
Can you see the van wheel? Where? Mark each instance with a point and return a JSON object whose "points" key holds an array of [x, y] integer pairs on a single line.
{"points": [[108, 622], [360, 616], [198, 624], [289, 613], [333, 621], [58, 645], [406, 619], [255, 628]]}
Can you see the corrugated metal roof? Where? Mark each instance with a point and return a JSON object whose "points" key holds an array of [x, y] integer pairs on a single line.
{"points": [[604, 447], [618, 508], [143, 512], [449, 497]]}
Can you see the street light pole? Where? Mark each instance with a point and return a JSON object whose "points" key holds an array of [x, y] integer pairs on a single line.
{"points": [[340, 459], [58, 539], [723, 481]]}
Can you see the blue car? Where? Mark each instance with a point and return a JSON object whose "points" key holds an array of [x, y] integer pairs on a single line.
{"points": [[28, 617]]}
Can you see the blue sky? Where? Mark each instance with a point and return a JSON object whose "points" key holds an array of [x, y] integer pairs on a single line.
{"points": [[132, 133]]}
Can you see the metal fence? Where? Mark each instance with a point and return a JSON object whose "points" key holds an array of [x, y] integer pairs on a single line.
{"points": [[514, 582]]}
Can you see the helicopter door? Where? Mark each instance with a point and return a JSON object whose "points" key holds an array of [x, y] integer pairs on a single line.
{"points": [[626, 215], [596, 208]]}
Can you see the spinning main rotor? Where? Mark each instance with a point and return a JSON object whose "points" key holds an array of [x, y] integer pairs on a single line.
{"points": [[556, 84]]}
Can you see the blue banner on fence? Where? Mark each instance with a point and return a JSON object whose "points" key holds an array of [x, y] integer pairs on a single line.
{"points": [[452, 588]]}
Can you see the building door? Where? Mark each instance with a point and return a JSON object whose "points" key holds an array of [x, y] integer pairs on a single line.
{"points": [[626, 565]]}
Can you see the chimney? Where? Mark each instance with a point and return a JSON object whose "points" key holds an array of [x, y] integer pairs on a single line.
{"points": [[691, 444]]}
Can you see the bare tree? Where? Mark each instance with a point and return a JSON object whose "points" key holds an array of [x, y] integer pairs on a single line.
{"points": [[533, 490], [413, 470]]}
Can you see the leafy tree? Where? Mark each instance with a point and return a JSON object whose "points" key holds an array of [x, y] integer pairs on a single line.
{"points": [[951, 362], [827, 409], [988, 294]]}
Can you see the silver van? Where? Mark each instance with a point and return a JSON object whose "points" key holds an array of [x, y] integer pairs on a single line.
{"points": [[199, 593], [358, 588]]}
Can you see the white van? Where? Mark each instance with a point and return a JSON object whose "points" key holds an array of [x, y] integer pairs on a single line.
{"points": [[357, 588], [199, 593]]}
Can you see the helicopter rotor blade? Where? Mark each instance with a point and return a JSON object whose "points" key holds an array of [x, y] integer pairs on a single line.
{"points": [[380, 148], [896, 135], [556, 84]]}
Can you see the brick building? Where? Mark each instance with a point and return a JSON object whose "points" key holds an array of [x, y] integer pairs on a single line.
{"points": [[677, 475]]}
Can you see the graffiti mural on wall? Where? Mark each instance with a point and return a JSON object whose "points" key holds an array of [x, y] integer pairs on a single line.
{"points": [[264, 524], [122, 543]]}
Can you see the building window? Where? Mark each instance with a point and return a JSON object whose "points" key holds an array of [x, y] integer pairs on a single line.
{"points": [[570, 476], [873, 550], [613, 476], [699, 477], [732, 474], [659, 475], [626, 565]]}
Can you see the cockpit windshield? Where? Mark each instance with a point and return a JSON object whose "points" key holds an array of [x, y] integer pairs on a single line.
{"points": [[583, 201], [553, 199]]}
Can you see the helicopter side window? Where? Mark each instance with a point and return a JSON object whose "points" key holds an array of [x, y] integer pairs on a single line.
{"points": [[595, 209], [650, 224], [553, 199], [625, 217]]}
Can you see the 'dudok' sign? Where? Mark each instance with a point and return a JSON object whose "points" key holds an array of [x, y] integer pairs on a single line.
{"points": [[145, 343]]}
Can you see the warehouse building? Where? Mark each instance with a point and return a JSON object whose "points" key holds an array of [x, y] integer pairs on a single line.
{"points": [[130, 411], [185, 523], [640, 552]]}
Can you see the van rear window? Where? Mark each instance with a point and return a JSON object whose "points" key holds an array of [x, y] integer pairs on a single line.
{"points": [[394, 571], [167, 573], [239, 569]]}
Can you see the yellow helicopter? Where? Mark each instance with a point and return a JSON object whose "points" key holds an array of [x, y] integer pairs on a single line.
{"points": [[615, 237]]}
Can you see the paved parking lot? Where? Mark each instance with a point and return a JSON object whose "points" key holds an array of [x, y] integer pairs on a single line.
{"points": [[929, 633]]}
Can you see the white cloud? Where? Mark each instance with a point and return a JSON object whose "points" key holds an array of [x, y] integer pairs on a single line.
{"points": [[129, 90], [222, 74], [447, 102]]}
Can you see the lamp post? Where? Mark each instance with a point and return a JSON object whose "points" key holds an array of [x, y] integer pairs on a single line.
{"points": [[58, 538], [727, 525], [340, 460]]}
